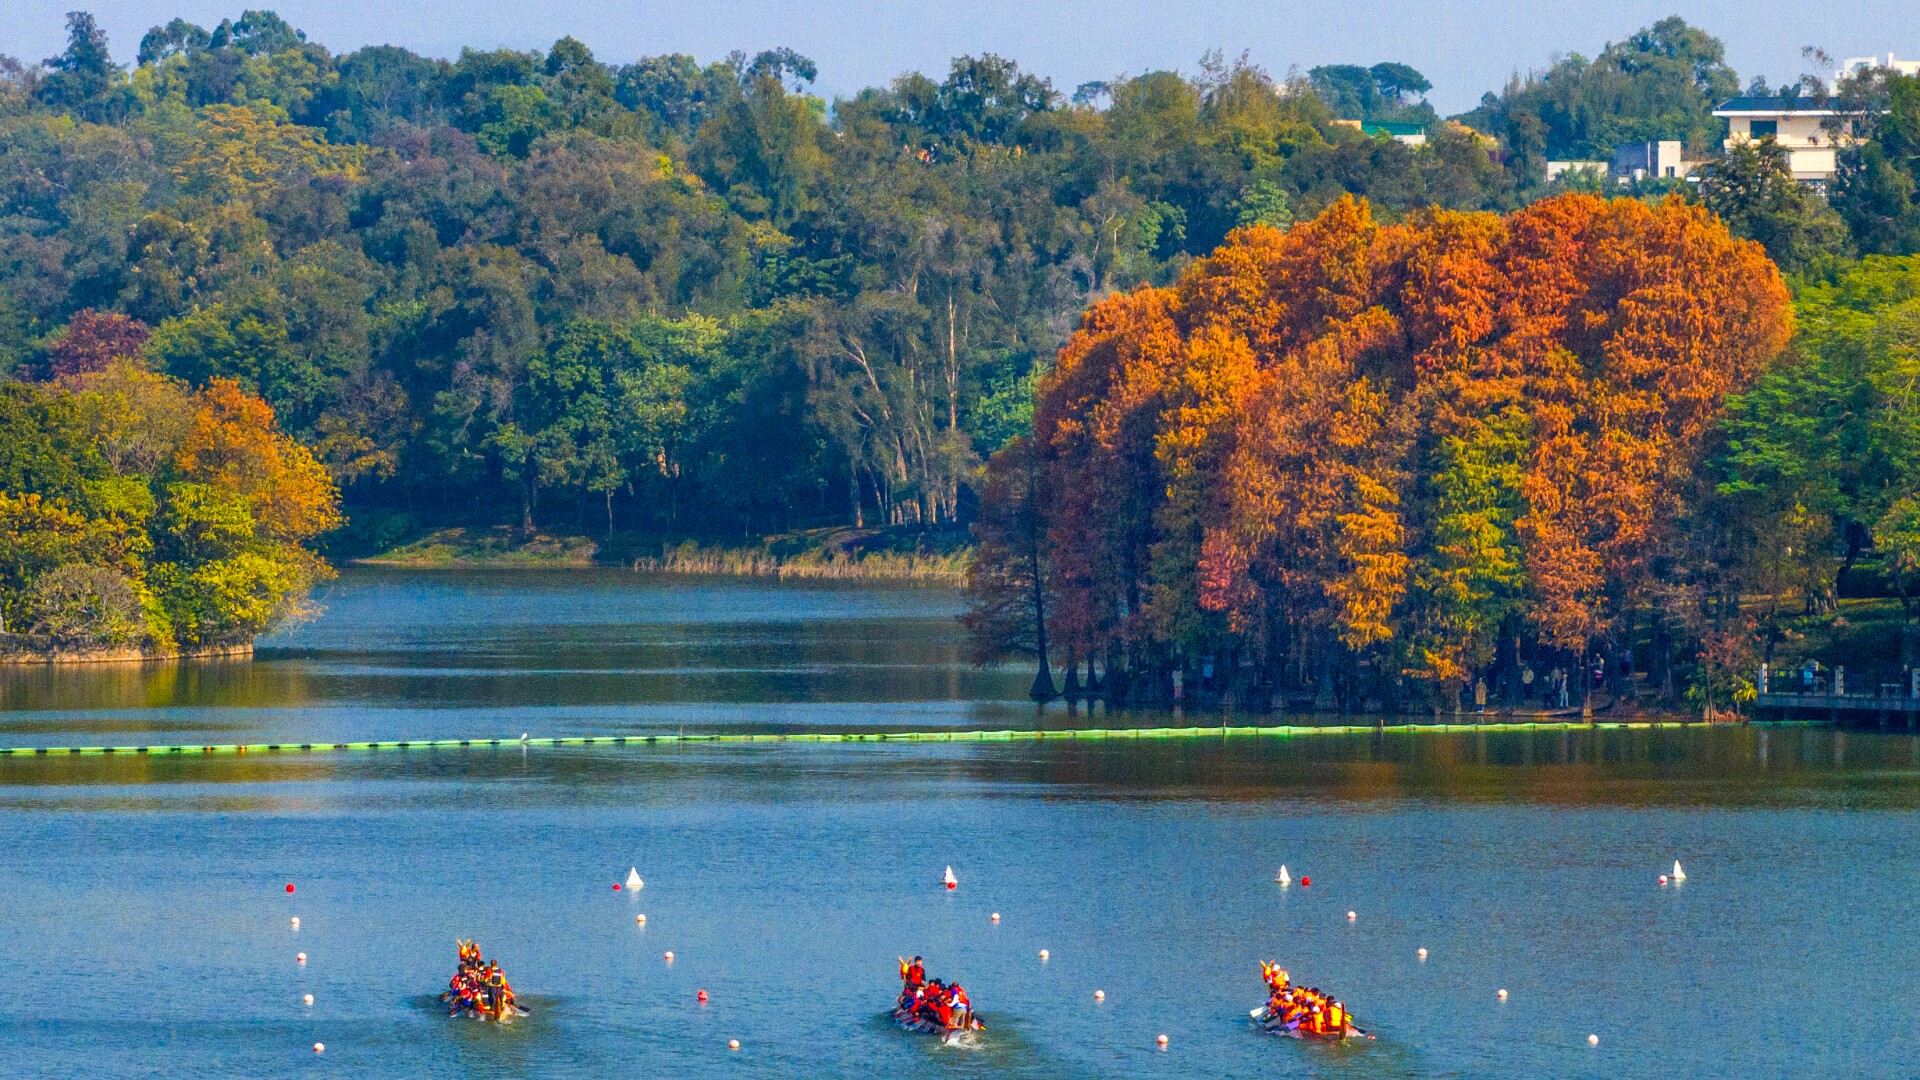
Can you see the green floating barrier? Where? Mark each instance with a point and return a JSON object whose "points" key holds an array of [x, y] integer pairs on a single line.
{"points": [[964, 735]]}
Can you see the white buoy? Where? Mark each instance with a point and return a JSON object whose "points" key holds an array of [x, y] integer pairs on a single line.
{"points": [[1593, 1040], [1678, 874], [1044, 954], [1162, 1040], [1422, 953], [1282, 877], [1663, 879], [296, 922], [523, 736], [1502, 995], [319, 1048], [306, 999], [640, 919], [299, 958], [1351, 916], [633, 879], [669, 956], [733, 1044], [949, 880], [996, 916], [1099, 995]]}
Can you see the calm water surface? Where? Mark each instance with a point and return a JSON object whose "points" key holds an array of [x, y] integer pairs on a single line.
{"points": [[146, 926]]}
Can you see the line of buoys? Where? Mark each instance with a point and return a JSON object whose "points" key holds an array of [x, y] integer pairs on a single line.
{"points": [[962, 735]]}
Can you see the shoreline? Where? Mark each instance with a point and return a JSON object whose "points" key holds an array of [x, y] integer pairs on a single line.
{"points": [[828, 555], [126, 654]]}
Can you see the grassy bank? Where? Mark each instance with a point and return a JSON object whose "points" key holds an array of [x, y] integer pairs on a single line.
{"points": [[907, 555], [498, 548], [929, 568]]}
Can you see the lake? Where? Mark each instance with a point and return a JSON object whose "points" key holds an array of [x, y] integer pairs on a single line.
{"points": [[147, 924]]}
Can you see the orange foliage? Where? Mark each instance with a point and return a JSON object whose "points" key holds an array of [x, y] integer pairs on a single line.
{"points": [[233, 443]]}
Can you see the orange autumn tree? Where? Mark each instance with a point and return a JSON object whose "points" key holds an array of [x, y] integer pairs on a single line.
{"points": [[1371, 460]]}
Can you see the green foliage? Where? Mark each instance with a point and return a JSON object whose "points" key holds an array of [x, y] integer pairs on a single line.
{"points": [[1878, 188], [1754, 192], [1661, 83]]}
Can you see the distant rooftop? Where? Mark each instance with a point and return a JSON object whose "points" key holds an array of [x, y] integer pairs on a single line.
{"points": [[1772, 104]]}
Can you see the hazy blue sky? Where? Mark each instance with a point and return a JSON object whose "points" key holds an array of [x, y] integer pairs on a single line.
{"points": [[1465, 48]]}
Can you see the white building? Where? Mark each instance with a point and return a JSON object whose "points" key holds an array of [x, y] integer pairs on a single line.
{"points": [[1797, 125], [1854, 65]]}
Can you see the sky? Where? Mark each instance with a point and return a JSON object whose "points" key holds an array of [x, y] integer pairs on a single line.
{"points": [[1464, 48]]}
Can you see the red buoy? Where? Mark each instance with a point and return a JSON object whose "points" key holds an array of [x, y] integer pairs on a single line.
{"points": [[616, 886], [1305, 881], [701, 996], [289, 886]]}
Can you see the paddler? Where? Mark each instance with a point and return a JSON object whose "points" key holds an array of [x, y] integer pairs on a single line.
{"points": [[496, 984], [1337, 1019]]}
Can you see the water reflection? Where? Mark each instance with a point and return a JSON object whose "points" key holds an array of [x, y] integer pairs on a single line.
{"points": [[1696, 766]]}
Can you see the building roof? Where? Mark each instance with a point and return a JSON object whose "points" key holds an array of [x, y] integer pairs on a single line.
{"points": [[1771, 106], [1392, 127]]}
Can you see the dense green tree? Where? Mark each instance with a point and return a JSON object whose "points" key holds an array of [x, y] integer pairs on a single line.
{"points": [[1754, 192]]}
